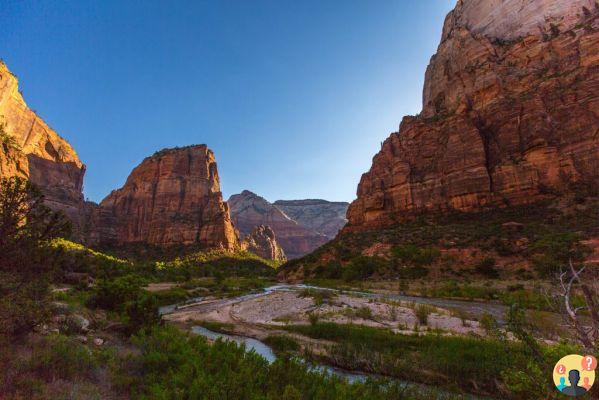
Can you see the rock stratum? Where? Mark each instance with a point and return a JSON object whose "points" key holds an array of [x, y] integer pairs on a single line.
{"points": [[262, 241], [171, 198], [248, 210], [322, 216], [510, 115], [29, 148]]}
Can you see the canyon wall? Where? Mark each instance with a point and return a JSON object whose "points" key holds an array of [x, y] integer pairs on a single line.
{"points": [[171, 198], [510, 115], [263, 242], [248, 210], [322, 216], [29, 148]]}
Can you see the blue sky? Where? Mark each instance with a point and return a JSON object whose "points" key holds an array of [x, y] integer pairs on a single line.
{"points": [[294, 97]]}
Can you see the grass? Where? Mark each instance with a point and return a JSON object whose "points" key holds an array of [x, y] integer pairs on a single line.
{"points": [[431, 359], [282, 345]]}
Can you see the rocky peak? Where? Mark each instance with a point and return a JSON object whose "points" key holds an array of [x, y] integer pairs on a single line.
{"points": [[322, 216], [30, 148], [248, 210], [172, 197], [262, 241], [510, 105]]}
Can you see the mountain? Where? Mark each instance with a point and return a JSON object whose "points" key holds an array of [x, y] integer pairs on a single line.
{"points": [[248, 210], [502, 160], [262, 241], [29, 148], [171, 198], [510, 115], [322, 216]]}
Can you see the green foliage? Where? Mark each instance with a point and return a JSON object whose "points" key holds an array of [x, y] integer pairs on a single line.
{"points": [[174, 365], [422, 312], [555, 250], [319, 296], [414, 255], [126, 296], [488, 323], [113, 294], [8, 141], [461, 360], [26, 263], [283, 345], [487, 268], [363, 267]]}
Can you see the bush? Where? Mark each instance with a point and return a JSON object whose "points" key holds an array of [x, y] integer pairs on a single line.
{"points": [[487, 268], [27, 264], [142, 312], [113, 294], [422, 312], [414, 255], [363, 267], [282, 344]]}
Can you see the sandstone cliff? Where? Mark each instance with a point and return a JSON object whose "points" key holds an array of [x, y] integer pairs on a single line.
{"points": [[510, 115], [249, 210], [171, 198], [262, 241], [324, 217], [30, 148]]}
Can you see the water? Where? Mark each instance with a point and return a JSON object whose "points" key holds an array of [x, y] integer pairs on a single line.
{"points": [[474, 308], [266, 352], [351, 377]]}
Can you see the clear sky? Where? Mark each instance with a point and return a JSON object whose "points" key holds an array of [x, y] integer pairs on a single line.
{"points": [[294, 97]]}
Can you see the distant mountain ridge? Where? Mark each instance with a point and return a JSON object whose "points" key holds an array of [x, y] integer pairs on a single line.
{"points": [[300, 226]]}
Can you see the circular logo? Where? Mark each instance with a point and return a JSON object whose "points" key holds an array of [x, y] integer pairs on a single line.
{"points": [[574, 375]]}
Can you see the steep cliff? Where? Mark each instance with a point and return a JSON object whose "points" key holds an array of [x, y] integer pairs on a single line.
{"points": [[510, 115], [30, 148], [325, 217], [262, 241], [249, 210], [171, 198]]}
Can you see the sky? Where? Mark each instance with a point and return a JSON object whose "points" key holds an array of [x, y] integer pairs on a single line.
{"points": [[293, 97]]}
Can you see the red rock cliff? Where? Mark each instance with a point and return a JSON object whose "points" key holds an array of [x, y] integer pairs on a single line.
{"points": [[249, 210], [510, 114], [30, 148], [171, 198]]}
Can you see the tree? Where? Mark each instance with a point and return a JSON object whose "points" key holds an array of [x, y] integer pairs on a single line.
{"points": [[26, 263]]}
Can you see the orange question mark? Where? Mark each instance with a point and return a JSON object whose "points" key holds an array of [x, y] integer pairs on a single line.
{"points": [[589, 363], [560, 369]]}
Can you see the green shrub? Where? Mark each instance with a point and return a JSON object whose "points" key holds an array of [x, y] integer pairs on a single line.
{"points": [[282, 344], [363, 267], [412, 254], [422, 311], [142, 312], [487, 268], [488, 323], [113, 294]]}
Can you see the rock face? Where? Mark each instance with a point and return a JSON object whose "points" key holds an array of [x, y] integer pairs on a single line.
{"points": [[31, 149], [262, 241], [510, 115], [324, 217], [171, 198], [248, 210]]}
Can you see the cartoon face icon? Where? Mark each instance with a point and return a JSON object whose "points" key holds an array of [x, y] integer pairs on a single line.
{"points": [[574, 375]]}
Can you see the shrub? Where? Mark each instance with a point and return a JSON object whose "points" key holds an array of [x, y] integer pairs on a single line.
{"points": [[488, 323], [142, 312], [113, 294], [364, 312], [282, 344], [412, 254], [26, 262], [422, 312], [487, 268], [363, 267]]}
